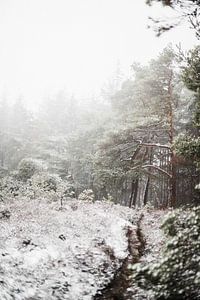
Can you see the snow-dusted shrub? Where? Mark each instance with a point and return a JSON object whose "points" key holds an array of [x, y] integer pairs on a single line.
{"points": [[44, 185], [149, 206], [109, 198], [50, 186], [9, 187], [45, 181], [28, 167], [188, 147], [176, 276], [86, 195]]}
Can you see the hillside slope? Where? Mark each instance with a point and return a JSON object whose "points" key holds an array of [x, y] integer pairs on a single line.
{"points": [[48, 253]]}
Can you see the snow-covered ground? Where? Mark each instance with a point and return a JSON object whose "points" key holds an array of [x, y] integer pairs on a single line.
{"points": [[48, 253], [153, 235], [154, 239]]}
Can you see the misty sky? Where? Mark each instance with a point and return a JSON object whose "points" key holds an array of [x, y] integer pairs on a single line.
{"points": [[49, 45]]}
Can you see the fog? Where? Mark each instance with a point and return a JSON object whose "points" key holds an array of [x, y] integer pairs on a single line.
{"points": [[99, 140], [75, 45]]}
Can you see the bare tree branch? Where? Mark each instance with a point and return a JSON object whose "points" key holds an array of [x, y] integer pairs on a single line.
{"points": [[155, 145], [153, 167]]}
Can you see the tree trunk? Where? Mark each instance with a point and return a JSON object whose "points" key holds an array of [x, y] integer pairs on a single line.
{"points": [[135, 192], [145, 199], [132, 193], [173, 182], [172, 201]]}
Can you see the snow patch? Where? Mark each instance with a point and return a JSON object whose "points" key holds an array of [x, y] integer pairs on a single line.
{"points": [[48, 253]]}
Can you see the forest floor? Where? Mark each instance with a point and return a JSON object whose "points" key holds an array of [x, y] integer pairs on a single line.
{"points": [[153, 240], [79, 252]]}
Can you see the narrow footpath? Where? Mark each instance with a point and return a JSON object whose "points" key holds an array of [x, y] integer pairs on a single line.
{"points": [[145, 246]]}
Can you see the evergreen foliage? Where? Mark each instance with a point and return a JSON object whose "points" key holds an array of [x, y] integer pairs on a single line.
{"points": [[176, 276], [189, 145]]}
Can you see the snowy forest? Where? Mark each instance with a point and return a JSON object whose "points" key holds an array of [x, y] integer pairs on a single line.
{"points": [[100, 195]]}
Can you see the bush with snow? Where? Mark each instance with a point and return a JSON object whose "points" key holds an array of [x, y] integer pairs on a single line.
{"points": [[86, 195], [51, 186], [9, 187], [109, 198], [28, 167], [46, 181], [176, 276], [42, 185]]}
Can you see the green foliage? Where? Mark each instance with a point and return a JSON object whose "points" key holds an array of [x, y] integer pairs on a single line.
{"points": [[188, 147], [143, 104], [145, 98], [191, 69], [150, 109], [191, 78], [176, 275]]}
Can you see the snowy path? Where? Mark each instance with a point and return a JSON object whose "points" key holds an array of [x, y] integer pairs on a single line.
{"points": [[153, 235], [47, 253], [153, 240]]}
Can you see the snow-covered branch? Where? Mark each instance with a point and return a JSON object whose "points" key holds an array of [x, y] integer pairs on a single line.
{"points": [[154, 145], [153, 167]]}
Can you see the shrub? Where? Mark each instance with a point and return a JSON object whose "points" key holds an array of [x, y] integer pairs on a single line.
{"points": [[50, 186], [9, 187], [176, 276], [28, 167], [43, 184], [109, 198], [188, 147], [86, 195], [45, 181]]}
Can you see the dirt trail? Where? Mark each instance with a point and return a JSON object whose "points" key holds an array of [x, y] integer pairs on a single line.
{"points": [[116, 289], [144, 246]]}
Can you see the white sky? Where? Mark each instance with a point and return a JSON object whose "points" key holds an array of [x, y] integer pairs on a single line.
{"points": [[48, 45]]}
